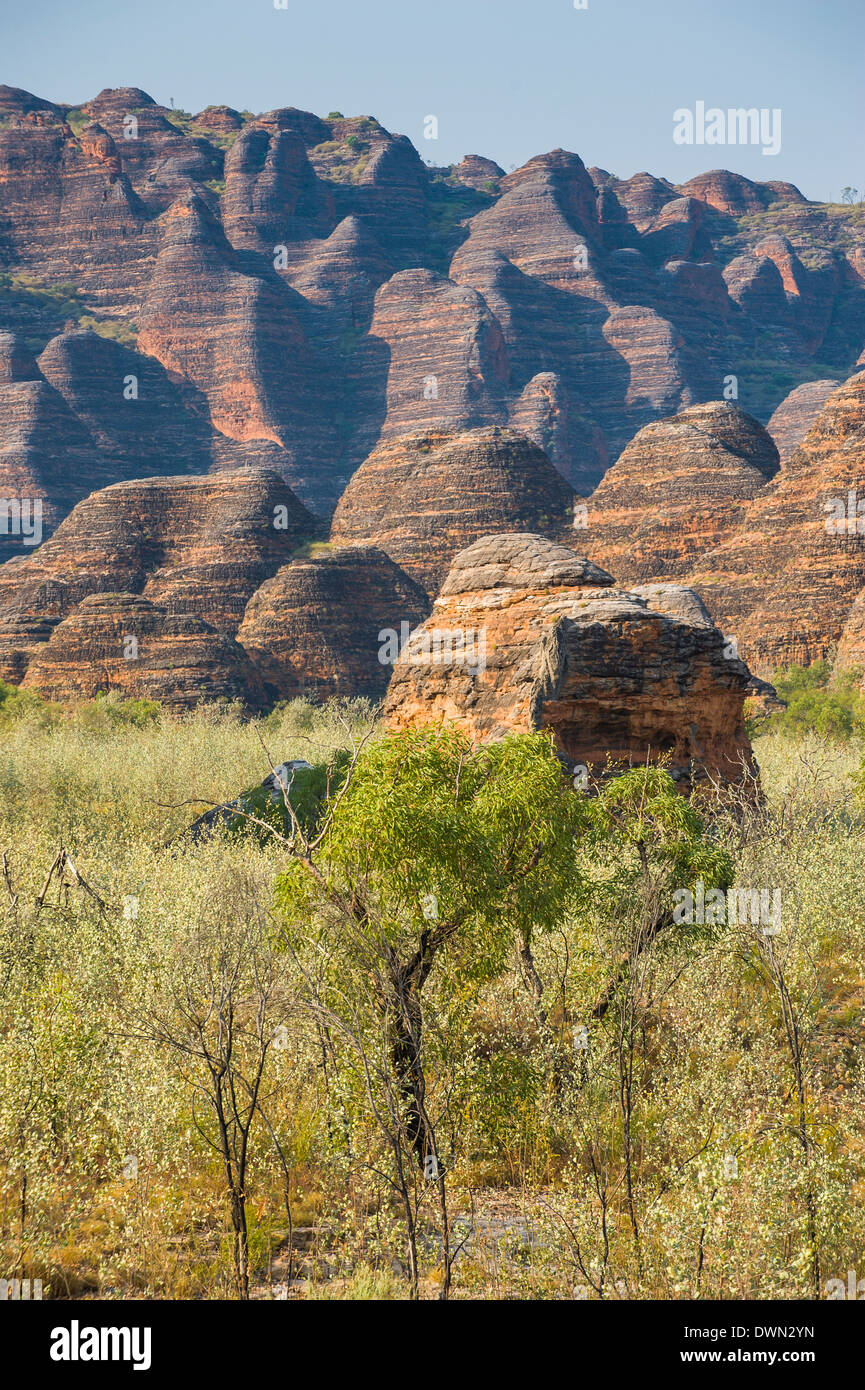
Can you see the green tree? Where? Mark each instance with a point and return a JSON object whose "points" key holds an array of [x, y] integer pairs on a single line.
{"points": [[435, 861]]}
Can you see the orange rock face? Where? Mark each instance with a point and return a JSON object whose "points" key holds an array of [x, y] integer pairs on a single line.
{"points": [[677, 490], [784, 581], [124, 643], [193, 546], [528, 635], [304, 281], [425, 496], [793, 418], [299, 294], [315, 628], [91, 413], [145, 585]]}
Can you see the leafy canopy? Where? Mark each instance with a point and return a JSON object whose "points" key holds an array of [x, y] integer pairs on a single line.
{"points": [[835, 710], [434, 841]]}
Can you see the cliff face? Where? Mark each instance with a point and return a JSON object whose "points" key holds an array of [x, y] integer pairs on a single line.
{"points": [[144, 587], [426, 354], [528, 635], [311, 289], [45, 456], [90, 412], [677, 490], [793, 418], [425, 496]]}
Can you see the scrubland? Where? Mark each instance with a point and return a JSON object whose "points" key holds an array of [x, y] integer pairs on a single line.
{"points": [[450, 1040]]}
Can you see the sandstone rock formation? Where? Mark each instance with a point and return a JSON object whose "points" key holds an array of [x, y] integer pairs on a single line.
{"points": [[527, 635], [192, 546], [677, 490], [435, 359], [423, 497], [315, 628], [88, 413], [207, 320], [784, 581], [190, 563], [43, 449], [477, 172], [125, 643], [294, 293], [793, 418], [308, 285], [850, 654]]}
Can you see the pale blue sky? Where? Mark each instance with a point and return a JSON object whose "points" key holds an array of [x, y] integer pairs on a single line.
{"points": [[506, 78]]}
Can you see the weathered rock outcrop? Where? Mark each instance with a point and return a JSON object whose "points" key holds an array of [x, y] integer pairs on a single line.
{"points": [[207, 321], [309, 284], [44, 451], [527, 635], [850, 654], [574, 444], [476, 172], [677, 490], [435, 359], [736, 195], [425, 496], [305, 291], [124, 643], [325, 624], [69, 209]]}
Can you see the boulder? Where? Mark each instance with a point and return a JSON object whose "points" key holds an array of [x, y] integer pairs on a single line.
{"points": [[316, 627], [528, 635], [124, 643]]}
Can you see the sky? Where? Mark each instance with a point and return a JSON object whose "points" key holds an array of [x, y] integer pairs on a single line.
{"points": [[504, 78]]}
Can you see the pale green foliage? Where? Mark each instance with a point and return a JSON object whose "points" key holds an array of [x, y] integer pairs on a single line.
{"points": [[488, 833]]}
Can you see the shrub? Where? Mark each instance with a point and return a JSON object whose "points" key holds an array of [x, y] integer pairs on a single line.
{"points": [[16, 704], [815, 702], [121, 331]]}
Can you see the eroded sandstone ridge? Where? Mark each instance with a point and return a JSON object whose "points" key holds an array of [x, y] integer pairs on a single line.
{"points": [[190, 589], [433, 354], [793, 418], [176, 658], [423, 497], [90, 412], [294, 291], [544, 638], [315, 628]]}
